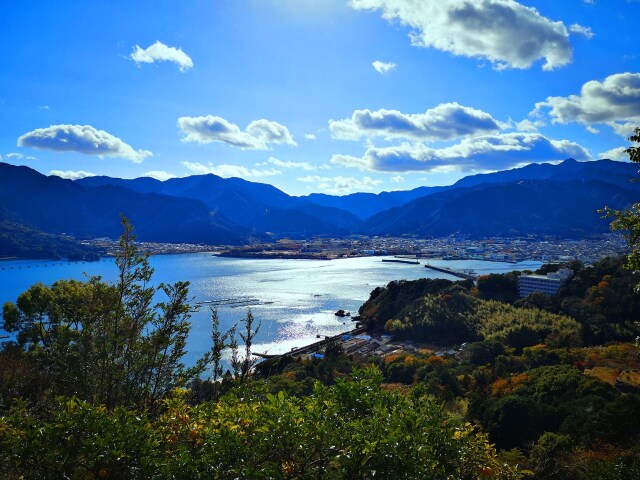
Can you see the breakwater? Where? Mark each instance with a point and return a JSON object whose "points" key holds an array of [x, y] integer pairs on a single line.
{"points": [[455, 273], [401, 260]]}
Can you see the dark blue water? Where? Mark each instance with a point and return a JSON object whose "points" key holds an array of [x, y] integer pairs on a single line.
{"points": [[301, 295]]}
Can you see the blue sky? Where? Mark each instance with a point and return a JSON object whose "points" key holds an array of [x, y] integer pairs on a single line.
{"points": [[316, 95]]}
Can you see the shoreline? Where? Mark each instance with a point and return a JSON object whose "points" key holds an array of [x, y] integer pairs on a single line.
{"points": [[283, 256]]}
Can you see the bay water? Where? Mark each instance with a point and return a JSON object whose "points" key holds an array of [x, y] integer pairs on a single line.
{"points": [[295, 300]]}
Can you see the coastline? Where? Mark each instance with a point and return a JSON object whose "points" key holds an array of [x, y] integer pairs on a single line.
{"points": [[282, 256]]}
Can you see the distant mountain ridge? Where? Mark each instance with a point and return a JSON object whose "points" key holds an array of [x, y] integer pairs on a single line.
{"points": [[255, 206], [367, 205], [618, 173], [519, 208], [55, 205], [544, 199]]}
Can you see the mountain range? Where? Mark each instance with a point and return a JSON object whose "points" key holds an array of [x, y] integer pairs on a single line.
{"points": [[548, 199]]}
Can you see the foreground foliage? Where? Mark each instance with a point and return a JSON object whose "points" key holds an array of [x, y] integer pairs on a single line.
{"points": [[93, 386], [351, 430], [104, 343]]}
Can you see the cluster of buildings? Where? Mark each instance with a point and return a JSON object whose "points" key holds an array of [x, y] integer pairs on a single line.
{"points": [[153, 248], [364, 346], [452, 247], [587, 250], [499, 249]]}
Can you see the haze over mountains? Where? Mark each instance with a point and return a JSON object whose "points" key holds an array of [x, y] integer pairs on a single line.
{"points": [[550, 199]]}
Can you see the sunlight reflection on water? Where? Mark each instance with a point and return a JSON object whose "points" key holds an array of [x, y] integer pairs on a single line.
{"points": [[303, 294]]}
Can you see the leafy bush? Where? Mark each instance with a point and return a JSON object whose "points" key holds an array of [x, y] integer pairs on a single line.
{"points": [[524, 327], [353, 429]]}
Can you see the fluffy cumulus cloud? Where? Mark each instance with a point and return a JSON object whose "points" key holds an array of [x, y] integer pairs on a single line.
{"points": [[484, 153], [310, 136], [581, 30], [159, 52], [227, 171], [527, 125], [505, 32], [71, 175], [340, 185], [615, 101], [257, 136], [82, 139], [383, 67], [397, 179], [624, 129], [159, 175], [444, 122], [617, 153]]}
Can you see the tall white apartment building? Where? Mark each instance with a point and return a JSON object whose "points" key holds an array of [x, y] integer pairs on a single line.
{"points": [[548, 284]]}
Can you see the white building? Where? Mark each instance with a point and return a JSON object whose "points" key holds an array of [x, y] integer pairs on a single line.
{"points": [[548, 284]]}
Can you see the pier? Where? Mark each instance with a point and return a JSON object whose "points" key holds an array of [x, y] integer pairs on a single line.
{"points": [[466, 276], [401, 260]]}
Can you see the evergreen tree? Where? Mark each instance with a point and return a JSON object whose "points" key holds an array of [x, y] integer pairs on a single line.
{"points": [[108, 343]]}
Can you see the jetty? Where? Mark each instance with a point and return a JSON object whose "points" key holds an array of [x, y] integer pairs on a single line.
{"points": [[455, 273], [402, 260]]}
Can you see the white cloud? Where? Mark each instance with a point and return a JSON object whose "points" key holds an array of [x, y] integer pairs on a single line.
{"points": [[82, 139], [444, 122], [270, 132], [581, 30], [71, 175], [527, 125], [490, 152], [159, 175], [397, 179], [19, 156], [506, 33], [309, 136], [383, 68], [256, 136], [617, 153], [620, 153], [615, 101], [341, 185], [227, 171], [159, 52], [623, 129], [287, 164]]}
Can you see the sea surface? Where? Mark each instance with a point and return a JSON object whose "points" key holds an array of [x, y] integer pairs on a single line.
{"points": [[295, 299]]}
